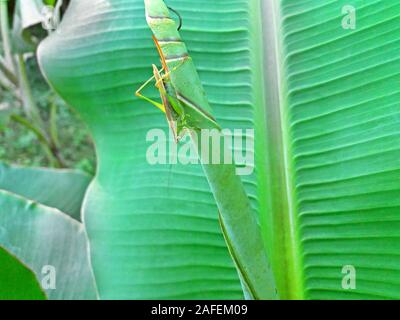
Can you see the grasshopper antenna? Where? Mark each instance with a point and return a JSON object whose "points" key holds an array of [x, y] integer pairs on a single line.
{"points": [[179, 16]]}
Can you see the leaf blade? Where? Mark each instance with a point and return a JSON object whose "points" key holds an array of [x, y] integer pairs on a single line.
{"points": [[339, 126], [63, 189], [40, 236], [17, 282]]}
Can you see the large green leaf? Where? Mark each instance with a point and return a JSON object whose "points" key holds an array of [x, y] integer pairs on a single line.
{"points": [[334, 128], [50, 243], [17, 282], [154, 228], [63, 189]]}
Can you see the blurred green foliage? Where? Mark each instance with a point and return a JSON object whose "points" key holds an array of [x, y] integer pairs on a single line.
{"points": [[18, 145]]}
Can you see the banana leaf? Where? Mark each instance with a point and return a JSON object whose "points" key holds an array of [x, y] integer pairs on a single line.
{"points": [[17, 281], [153, 227], [63, 189], [323, 102], [334, 159], [50, 243]]}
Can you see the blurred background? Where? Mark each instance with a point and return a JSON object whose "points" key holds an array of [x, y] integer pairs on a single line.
{"points": [[36, 127]]}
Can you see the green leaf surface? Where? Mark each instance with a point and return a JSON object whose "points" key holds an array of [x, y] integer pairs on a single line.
{"points": [[5, 114], [63, 189], [334, 127], [154, 227], [17, 282], [46, 239]]}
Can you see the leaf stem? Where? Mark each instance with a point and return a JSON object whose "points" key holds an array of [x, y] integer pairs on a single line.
{"points": [[53, 130], [5, 34], [285, 246], [52, 156], [29, 104], [6, 71]]}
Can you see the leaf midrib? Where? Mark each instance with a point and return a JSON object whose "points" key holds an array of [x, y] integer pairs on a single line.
{"points": [[284, 241]]}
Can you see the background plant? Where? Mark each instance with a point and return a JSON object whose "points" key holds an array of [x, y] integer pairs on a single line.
{"points": [[43, 130]]}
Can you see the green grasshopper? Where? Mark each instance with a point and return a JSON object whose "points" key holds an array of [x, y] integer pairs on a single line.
{"points": [[182, 114], [170, 105]]}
